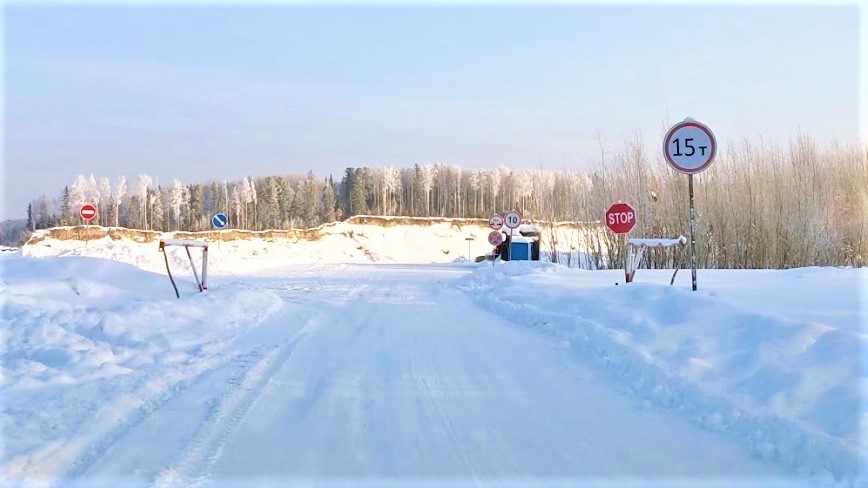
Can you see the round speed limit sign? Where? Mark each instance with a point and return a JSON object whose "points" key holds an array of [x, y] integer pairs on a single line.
{"points": [[689, 147], [512, 219]]}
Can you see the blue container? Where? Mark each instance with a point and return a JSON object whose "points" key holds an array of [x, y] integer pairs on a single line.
{"points": [[519, 251]]}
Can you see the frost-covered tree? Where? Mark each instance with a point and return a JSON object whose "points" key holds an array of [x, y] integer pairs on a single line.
{"points": [[176, 200], [236, 206], [427, 174], [252, 199], [78, 193], [391, 186], [157, 211], [104, 189], [120, 191], [142, 186], [494, 183]]}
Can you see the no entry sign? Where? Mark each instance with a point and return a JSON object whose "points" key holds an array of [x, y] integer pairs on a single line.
{"points": [[87, 212], [621, 218]]}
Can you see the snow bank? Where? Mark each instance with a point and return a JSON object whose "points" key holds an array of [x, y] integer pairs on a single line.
{"points": [[790, 390], [360, 240], [91, 342]]}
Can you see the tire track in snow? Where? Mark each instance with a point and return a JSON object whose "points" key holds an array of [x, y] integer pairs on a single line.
{"points": [[446, 422], [228, 413], [133, 412], [77, 457]]}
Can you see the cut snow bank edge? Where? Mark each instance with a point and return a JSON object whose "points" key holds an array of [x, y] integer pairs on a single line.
{"points": [[654, 376]]}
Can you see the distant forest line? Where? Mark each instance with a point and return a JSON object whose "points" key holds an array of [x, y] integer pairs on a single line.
{"points": [[758, 205]]}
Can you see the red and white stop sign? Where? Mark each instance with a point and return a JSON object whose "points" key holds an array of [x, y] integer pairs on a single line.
{"points": [[621, 218], [87, 212]]}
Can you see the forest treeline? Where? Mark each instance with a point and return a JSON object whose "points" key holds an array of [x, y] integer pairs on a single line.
{"points": [[758, 205]]}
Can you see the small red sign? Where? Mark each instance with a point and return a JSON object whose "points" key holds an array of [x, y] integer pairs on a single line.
{"points": [[495, 238], [621, 218], [87, 212]]}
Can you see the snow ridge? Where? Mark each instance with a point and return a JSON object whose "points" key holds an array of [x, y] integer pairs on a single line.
{"points": [[606, 340]]}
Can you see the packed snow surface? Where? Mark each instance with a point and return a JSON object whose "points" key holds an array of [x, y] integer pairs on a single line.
{"points": [[457, 374]]}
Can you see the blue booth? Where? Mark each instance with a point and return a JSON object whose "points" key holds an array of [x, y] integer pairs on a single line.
{"points": [[520, 248]]}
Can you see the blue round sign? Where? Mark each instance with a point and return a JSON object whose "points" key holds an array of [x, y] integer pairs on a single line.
{"points": [[219, 220]]}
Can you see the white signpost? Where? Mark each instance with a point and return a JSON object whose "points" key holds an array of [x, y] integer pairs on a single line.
{"points": [[690, 147], [469, 240]]}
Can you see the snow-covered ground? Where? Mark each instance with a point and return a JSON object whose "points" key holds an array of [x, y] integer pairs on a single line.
{"points": [[425, 241], [461, 374]]}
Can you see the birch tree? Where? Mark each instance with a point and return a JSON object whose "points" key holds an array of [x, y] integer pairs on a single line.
{"points": [[142, 186], [175, 202], [120, 191], [105, 194]]}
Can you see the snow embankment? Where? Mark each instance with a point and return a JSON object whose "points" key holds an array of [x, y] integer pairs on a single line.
{"points": [[91, 342], [358, 240], [788, 389]]}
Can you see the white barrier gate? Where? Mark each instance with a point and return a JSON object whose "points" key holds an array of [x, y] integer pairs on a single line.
{"points": [[636, 249], [187, 244]]}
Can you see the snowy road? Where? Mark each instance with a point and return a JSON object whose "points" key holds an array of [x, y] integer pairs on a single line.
{"points": [[390, 375]]}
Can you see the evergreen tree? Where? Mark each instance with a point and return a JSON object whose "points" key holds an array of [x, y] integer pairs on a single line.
{"points": [[215, 200], [65, 209], [284, 200], [31, 222], [270, 203], [42, 214], [310, 200], [327, 206], [134, 212], [196, 207], [359, 193], [111, 209]]}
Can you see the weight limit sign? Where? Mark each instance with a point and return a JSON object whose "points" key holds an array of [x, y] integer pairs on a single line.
{"points": [[689, 147]]}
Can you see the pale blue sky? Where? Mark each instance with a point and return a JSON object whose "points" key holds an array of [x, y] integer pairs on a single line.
{"points": [[221, 91]]}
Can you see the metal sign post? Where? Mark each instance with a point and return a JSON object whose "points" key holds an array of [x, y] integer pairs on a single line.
{"points": [[495, 238], [692, 233], [690, 147], [87, 212]]}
